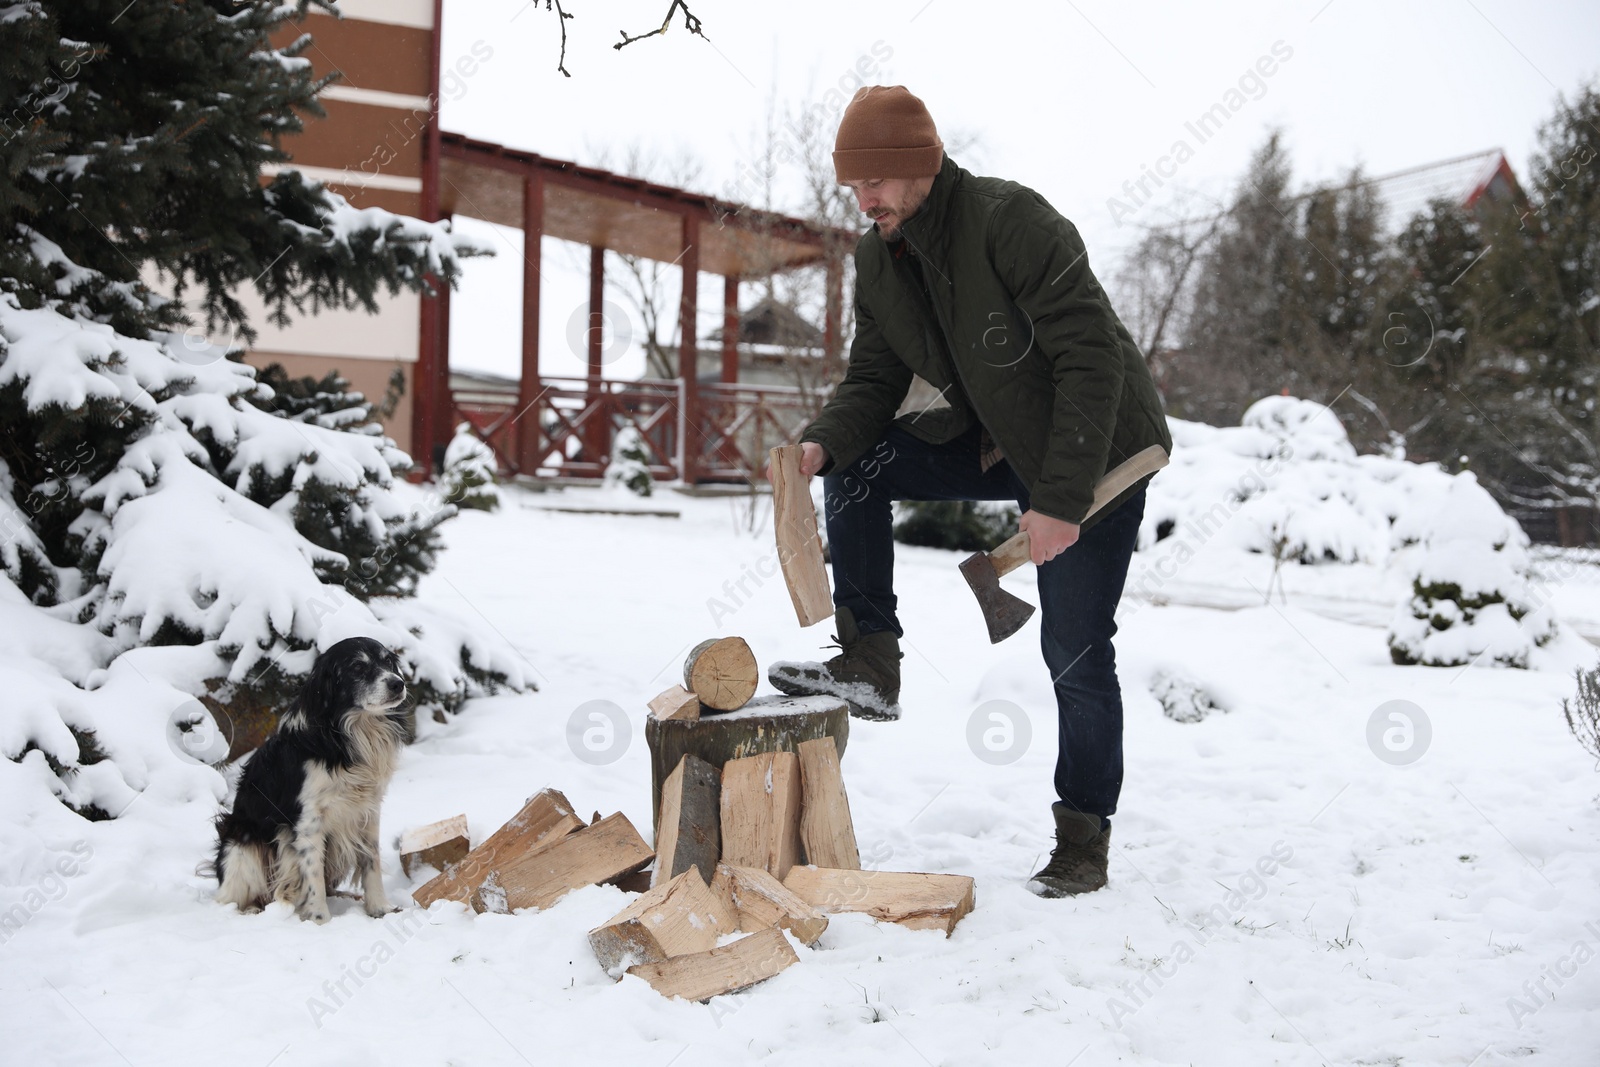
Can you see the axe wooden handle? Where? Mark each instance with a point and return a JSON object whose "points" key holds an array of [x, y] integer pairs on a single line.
{"points": [[1016, 550]]}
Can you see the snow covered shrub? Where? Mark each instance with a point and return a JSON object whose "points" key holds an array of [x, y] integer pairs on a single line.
{"points": [[630, 463], [1286, 483], [1181, 700], [1470, 588], [1583, 711], [467, 480]]}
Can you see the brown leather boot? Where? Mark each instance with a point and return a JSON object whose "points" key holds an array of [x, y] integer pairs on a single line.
{"points": [[865, 673], [1078, 862]]}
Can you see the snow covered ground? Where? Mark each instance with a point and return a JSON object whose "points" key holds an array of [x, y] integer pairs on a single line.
{"points": [[1283, 891]]}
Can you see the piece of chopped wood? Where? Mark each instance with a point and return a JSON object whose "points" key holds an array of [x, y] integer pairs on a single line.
{"points": [[761, 901], [827, 832], [689, 833], [675, 703], [794, 523], [761, 812], [600, 852], [735, 966], [677, 917], [722, 672], [436, 845], [544, 819], [919, 901]]}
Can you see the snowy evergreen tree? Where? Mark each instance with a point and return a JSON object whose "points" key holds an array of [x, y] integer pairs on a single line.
{"points": [[467, 480], [630, 463], [1471, 600], [153, 492]]}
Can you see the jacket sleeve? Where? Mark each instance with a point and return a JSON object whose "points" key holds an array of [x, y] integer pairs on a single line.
{"points": [[862, 406], [1040, 258]]}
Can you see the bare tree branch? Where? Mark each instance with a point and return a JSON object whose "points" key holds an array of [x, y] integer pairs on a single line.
{"points": [[690, 22]]}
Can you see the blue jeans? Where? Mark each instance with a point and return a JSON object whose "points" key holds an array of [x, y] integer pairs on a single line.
{"points": [[1078, 590]]}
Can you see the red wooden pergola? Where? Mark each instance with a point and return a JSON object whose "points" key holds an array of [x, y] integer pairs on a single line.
{"points": [[563, 427]]}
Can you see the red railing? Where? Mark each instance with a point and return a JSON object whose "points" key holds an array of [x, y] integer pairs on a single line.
{"points": [[569, 428]]}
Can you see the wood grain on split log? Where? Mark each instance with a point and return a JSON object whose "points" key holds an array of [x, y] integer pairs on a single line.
{"points": [[735, 966], [679, 916], [761, 901], [794, 522], [608, 849], [827, 833], [544, 819], [722, 672], [675, 703], [919, 901], [761, 812]]}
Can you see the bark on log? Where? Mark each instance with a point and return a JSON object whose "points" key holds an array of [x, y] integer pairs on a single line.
{"points": [[688, 834], [766, 724], [436, 845]]}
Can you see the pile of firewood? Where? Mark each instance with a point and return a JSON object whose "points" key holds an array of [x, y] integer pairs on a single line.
{"points": [[759, 845]]}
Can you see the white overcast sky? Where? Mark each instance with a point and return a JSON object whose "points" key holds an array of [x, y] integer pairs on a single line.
{"points": [[1072, 98]]}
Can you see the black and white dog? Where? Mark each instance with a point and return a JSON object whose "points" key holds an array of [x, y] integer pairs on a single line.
{"points": [[306, 814]]}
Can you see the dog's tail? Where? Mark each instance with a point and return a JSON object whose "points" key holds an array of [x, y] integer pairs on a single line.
{"points": [[212, 868]]}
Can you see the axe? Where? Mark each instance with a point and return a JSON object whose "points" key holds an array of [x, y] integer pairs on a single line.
{"points": [[1005, 613]]}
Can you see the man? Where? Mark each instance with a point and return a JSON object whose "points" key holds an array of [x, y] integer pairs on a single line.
{"points": [[980, 288]]}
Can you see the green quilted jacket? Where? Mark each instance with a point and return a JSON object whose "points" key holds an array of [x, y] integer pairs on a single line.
{"points": [[1002, 315]]}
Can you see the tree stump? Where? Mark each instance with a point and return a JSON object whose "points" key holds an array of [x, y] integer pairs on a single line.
{"points": [[766, 724], [722, 672]]}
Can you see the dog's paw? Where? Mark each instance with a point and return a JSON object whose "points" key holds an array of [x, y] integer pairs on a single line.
{"points": [[379, 908], [317, 913]]}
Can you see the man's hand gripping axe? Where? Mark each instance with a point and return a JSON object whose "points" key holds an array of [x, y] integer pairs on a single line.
{"points": [[1005, 613]]}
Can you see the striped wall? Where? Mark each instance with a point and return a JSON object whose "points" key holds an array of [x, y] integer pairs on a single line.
{"points": [[369, 149]]}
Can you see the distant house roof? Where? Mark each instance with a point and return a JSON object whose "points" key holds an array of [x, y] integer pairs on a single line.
{"points": [[770, 322], [1464, 181]]}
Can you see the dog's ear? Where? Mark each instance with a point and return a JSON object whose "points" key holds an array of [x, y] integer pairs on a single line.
{"points": [[319, 697]]}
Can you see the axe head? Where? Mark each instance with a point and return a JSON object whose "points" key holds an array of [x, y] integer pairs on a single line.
{"points": [[1004, 613]]}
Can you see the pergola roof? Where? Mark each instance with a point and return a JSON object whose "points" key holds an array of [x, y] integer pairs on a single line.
{"points": [[603, 209]]}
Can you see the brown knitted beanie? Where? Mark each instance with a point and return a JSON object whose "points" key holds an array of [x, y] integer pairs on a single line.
{"points": [[886, 133]]}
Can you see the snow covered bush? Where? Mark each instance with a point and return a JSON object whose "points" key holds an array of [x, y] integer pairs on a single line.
{"points": [[630, 463], [1286, 482], [467, 480], [1470, 587], [1181, 699]]}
